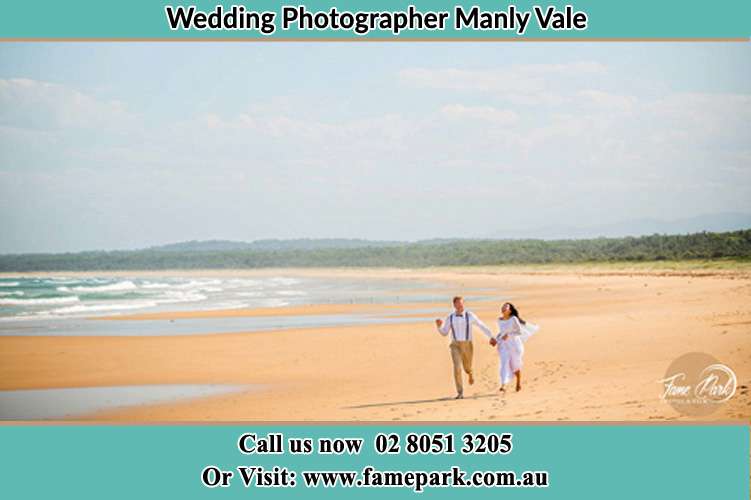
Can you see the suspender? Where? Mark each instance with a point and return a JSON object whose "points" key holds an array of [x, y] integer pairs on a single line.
{"points": [[466, 324]]}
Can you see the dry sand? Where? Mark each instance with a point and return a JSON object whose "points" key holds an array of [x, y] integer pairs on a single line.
{"points": [[607, 337]]}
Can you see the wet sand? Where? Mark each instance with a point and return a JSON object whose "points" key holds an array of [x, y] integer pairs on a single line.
{"points": [[607, 337]]}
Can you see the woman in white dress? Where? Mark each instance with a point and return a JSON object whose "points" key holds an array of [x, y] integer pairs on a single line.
{"points": [[512, 333]]}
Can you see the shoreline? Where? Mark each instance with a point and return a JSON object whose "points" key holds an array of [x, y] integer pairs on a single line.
{"points": [[298, 310]]}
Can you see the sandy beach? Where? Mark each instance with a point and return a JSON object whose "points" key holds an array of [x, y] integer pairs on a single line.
{"points": [[608, 336]]}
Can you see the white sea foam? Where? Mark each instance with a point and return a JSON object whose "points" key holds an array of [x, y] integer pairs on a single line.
{"points": [[100, 308], [227, 305], [120, 286], [273, 303], [175, 297], [43, 301], [74, 297], [240, 282], [203, 285], [150, 285], [281, 281], [198, 284]]}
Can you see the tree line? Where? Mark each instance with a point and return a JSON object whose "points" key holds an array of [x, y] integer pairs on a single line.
{"points": [[705, 245]]}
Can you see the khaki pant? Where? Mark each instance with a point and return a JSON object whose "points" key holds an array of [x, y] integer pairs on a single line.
{"points": [[461, 357]]}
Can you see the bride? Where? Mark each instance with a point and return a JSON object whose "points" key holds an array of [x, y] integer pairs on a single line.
{"points": [[512, 333]]}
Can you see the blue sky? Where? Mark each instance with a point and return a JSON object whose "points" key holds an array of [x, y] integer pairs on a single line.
{"points": [[128, 145]]}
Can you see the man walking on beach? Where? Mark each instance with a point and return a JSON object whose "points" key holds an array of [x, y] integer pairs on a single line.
{"points": [[460, 323]]}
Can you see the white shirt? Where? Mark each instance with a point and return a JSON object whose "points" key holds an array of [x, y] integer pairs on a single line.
{"points": [[462, 330]]}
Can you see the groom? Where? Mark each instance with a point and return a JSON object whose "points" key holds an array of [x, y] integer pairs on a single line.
{"points": [[460, 323]]}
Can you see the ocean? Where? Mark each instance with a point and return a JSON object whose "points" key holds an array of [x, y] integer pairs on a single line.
{"points": [[59, 297], [65, 297]]}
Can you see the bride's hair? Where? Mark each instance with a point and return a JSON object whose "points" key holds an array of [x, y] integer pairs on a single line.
{"points": [[514, 312]]}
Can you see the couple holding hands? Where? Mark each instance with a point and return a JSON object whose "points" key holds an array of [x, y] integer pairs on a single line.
{"points": [[509, 341]]}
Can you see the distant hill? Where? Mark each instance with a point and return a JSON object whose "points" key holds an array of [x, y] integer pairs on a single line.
{"points": [[271, 244], [717, 223], [202, 246]]}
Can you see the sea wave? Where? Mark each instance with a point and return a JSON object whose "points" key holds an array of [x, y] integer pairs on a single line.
{"points": [[175, 297], [120, 286], [291, 293], [77, 297], [241, 282], [273, 303], [40, 301], [205, 285], [198, 284], [227, 305], [151, 285], [99, 308], [281, 281]]}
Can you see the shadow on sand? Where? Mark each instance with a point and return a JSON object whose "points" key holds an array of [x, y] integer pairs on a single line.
{"points": [[417, 401]]}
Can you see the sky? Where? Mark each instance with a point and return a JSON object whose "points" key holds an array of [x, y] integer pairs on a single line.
{"points": [[129, 145]]}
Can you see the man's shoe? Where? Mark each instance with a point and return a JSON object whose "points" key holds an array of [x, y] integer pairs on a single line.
{"points": [[471, 379], [459, 396]]}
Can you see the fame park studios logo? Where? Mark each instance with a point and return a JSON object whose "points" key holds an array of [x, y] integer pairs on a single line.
{"points": [[697, 384]]}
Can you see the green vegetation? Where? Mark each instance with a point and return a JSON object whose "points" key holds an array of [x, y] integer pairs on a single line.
{"points": [[704, 246]]}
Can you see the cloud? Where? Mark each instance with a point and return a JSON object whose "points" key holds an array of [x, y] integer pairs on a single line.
{"points": [[539, 142], [483, 113], [33, 104], [608, 100], [520, 83]]}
